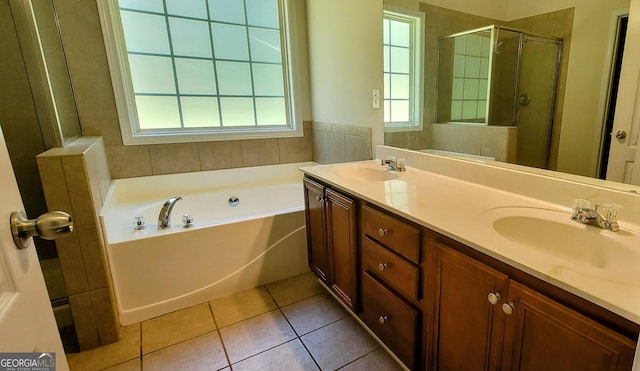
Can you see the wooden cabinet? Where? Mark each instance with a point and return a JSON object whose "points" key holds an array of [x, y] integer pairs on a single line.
{"points": [[540, 334], [483, 320], [390, 255], [466, 328], [331, 239], [441, 305]]}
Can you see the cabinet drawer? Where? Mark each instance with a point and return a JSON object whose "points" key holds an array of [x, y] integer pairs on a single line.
{"points": [[393, 320], [397, 235], [391, 269]]}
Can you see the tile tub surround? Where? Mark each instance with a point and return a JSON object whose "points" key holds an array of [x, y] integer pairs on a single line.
{"points": [[76, 180], [289, 324]]}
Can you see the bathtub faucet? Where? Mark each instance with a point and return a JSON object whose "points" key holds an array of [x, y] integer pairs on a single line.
{"points": [[164, 218]]}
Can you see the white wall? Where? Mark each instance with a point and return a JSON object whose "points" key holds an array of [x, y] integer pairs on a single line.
{"points": [[345, 62]]}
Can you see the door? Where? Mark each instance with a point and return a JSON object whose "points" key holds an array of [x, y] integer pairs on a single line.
{"points": [[466, 332], [316, 229], [541, 334], [623, 155], [341, 233], [26, 318]]}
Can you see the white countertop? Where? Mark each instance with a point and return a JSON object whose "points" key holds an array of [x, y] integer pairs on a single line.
{"points": [[462, 210]]}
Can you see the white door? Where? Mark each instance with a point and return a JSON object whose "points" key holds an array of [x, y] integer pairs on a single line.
{"points": [[623, 157], [27, 323]]}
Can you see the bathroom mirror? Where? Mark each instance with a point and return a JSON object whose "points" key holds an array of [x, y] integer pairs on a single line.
{"points": [[41, 44], [579, 110]]}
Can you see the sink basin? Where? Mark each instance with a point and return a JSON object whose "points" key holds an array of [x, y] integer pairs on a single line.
{"points": [[365, 172], [552, 232]]}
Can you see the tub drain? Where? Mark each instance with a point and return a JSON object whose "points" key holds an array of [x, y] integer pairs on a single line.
{"points": [[234, 201]]}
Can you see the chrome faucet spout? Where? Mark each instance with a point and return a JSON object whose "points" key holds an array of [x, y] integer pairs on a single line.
{"points": [[590, 216], [164, 218]]}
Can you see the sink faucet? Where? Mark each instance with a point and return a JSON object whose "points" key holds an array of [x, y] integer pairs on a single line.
{"points": [[583, 213], [393, 164], [164, 218]]}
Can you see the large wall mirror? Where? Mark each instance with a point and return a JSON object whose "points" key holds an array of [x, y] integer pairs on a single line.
{"points": [[518, 82]]}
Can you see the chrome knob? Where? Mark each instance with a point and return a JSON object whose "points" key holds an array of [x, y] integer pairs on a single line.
{"points": [[508, 308], [621, 134], [493, 298], [139, 223], [187, 221], [382, 266], [383, 319], [382, 232], [49, 226], [318, 198]]}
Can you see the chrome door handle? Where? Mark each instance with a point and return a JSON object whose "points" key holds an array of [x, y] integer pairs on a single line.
{"points": [[621, 134], [49, 226]]}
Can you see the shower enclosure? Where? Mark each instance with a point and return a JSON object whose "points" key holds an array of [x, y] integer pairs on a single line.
{"points": [[496, 75]]}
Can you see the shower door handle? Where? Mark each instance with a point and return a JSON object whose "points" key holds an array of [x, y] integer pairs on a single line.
{"points": [[49, 226], [621, 134]]}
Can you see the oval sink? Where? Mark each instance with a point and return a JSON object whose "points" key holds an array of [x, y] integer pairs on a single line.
{"points": [[552, 232], [364, 172]]}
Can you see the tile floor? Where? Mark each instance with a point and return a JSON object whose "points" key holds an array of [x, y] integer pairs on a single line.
{"points": [[293, 324]]}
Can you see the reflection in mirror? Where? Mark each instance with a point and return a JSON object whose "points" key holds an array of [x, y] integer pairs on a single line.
{"points": [[574, 117], [41, 44], [503, 77]]}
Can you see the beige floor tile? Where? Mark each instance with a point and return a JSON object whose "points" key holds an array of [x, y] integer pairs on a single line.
{"points": [[288, 356], [109, 355], [378, 360], [296, 288], [250, 337], [312, 313], [339, 343], [204, 352], [132, 365], [243, 305], [175, 327]]}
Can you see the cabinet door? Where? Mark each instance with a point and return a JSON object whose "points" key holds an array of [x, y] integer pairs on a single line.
{"points": [[466, 330], [341, 232], [541, 334], [318, 253]]}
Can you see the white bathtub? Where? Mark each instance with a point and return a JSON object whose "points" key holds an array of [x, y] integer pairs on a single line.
{"points": [[228, 249]]}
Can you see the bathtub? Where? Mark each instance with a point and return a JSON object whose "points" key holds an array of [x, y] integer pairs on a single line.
{"points": [[228, 249]]}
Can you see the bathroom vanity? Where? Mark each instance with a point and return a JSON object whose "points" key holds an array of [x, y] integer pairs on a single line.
{"points": [[416, 257]]}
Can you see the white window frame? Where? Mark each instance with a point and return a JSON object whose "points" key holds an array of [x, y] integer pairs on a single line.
{"points": [[125, 99], [417, 23]]}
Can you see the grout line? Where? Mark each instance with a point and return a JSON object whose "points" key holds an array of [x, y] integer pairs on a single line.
{"points": [[224, 347]]}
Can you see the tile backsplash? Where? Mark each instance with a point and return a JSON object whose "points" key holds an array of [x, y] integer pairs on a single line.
{"points": [[340, 143]]}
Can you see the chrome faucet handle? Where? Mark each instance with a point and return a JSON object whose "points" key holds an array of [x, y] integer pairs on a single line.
{"points": [[580, 203]]}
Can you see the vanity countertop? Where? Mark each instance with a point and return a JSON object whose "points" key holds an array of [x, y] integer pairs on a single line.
{"points": [[466, 212]]}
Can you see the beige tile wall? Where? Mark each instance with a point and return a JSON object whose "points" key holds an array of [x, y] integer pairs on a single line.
{"points": [[76, 180], [498, 142], [340, 143]]}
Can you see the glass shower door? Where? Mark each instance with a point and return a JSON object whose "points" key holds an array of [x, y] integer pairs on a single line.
{"points": [[535, 99]]}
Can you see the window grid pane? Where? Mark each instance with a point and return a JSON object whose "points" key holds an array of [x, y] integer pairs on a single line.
{"points": [[224, 61], [398, 71]]}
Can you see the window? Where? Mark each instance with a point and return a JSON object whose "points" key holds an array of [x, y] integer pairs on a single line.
{"points": [[402, 70], [196, 70]]}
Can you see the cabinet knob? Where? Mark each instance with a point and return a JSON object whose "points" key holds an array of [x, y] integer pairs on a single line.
{"points": [[383, 319], [318, 198], [508, 308], [382, 232], [382, 266], [494, 298]]}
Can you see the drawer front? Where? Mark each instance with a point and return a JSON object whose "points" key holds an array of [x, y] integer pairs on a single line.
{"points": [[391, 319], [397, 235], [391, 269]]}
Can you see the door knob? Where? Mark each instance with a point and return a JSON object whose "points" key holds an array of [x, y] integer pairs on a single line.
{"points": [[49, 226], [621, 134]]}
